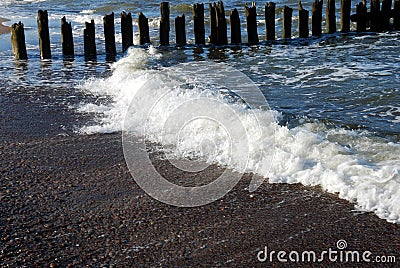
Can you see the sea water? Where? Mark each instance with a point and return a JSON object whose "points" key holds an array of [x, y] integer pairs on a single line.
{"points": [[334, 104]]}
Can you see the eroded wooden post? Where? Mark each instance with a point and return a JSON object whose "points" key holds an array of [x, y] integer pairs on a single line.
{"points": [[317, 18], [164, 24], [396, 14], [287, 22], [375, 22], [330, 17], [67, 38], [345, 10], [236, 35], [143, 26], [386, 10], [222, 30], [89, 40], [213, 24], [18, 41], [251, 23], [303, 22], [270, 20], [126, 30], [361, 11], [44, 36], [180, 31], [109, 34], [199, 30]]}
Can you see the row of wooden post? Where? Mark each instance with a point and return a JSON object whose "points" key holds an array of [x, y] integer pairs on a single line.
{"points": [[377, 18]]}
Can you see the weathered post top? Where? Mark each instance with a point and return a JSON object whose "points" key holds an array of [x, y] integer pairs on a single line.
{"points": [[164, 24], [18, 41], [44, 36], [251, 23]]}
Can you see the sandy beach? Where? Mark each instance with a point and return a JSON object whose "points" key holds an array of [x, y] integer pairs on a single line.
{"points": [[69, 200], [4, 29]]}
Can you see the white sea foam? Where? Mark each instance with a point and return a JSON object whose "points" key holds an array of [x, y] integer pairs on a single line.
{"points": [[88, 11], [81, 18], [358, 166]]}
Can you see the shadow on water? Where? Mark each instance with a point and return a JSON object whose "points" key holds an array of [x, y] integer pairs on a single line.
{"points": [[198, 53], [20, 69], [46, 70], [218, 54]]}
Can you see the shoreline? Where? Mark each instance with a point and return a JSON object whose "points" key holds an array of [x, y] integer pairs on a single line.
{"points": [[4, 29]]}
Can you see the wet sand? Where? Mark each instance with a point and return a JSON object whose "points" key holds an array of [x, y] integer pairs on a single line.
{"points": [[4, 29], [69, 200]]}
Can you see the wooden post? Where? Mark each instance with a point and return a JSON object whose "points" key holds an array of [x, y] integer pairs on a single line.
{"points": [[251, 23], [287, 22], [89, 41], [18, 41], [164, 24], [386, 10], [143, 26], [109, 34], [222, 30], [375, 22], [44, 36], [317, 18], [303, 22], [345, 10], [236, 35], [361, 11], [180, 31], [67, 38], [270, 20], [213, 24], [396, 15], [198, 18], [126, 30], [330, 17]]}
